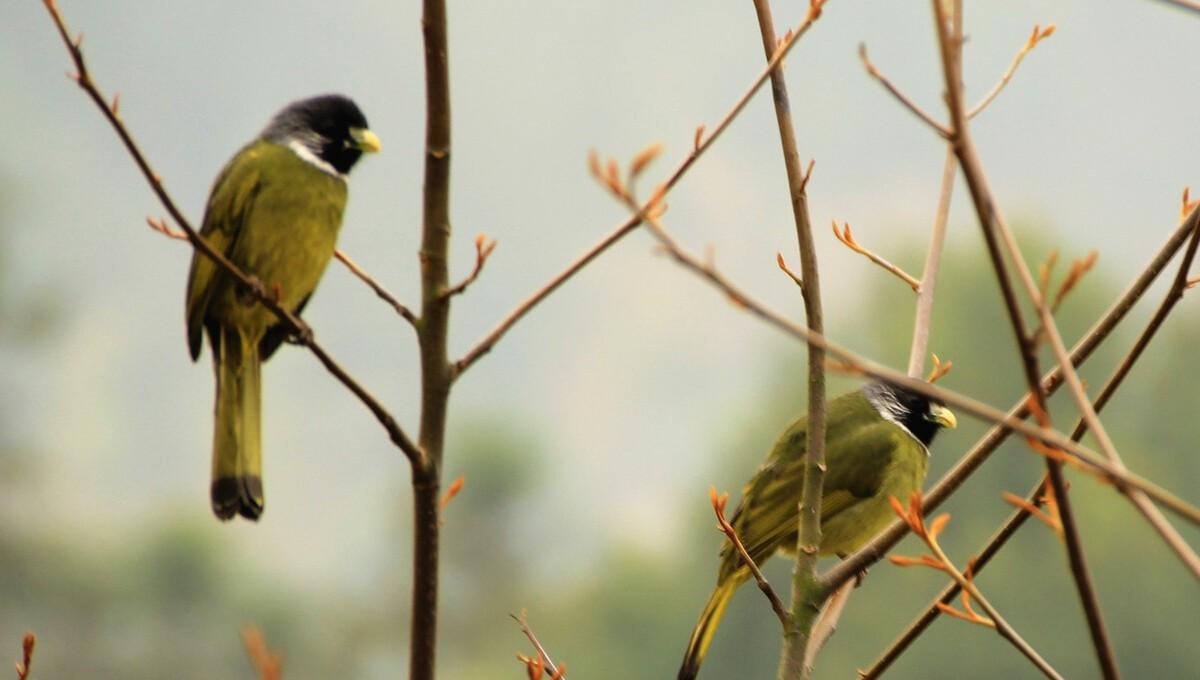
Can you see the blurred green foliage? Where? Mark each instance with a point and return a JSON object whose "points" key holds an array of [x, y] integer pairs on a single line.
{"points": [[164, 603]]}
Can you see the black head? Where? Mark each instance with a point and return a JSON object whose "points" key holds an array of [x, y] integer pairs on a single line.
{"points": [[918, 414], [331, 127]]}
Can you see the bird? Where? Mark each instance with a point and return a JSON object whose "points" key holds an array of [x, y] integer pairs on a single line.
{"points": [[876, 446], [274, 212]]}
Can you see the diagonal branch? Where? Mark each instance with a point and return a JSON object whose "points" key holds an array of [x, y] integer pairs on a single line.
{"points": [[545, 657], [1039, 34], [382, 292], [718, 505], [995, 228], [701, 144], [950, 47], [298, 328], [1192, 5], [928, 534], [846, 236], [900, 96], [160, 225]]}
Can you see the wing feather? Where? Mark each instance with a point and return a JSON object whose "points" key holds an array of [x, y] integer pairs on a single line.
{"points": [[228, 204]]}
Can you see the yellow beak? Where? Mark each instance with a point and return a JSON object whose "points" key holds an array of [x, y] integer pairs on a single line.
{"points": [[943, 416], [366, 140]]}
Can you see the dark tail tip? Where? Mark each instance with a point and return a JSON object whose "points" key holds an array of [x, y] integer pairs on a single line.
{"points": [[237, 496]]}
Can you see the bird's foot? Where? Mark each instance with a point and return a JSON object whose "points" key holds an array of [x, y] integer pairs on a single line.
{"points": [[858, 578], [303, 335]]}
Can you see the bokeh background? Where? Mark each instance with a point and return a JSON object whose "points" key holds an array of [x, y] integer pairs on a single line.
{"points": [[589, 437]]}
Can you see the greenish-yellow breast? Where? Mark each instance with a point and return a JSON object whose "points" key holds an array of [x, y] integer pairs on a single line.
{"points": [[277, 217]]}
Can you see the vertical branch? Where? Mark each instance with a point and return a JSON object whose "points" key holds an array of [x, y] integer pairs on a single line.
{"points": [[933, 259], [432, 336], [807, 593], [950, 47]]}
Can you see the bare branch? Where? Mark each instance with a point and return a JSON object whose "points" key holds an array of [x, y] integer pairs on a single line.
{"points": [[160, 225], [483, 248], [1185, 4], [995, 229], [718, 506], [847, 238], [779, 260], [1039, 34], [928, 534], [826, 624], [433, 337], [23, 666], [900, 96], [988, 212], [806, 598], [267, 664], [924, 315], [380, 291], [939, 369], [528, 631], [701, 144]]}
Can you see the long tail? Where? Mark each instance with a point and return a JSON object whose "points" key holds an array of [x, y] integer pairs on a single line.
{"points": [[237, 449], [702, 634]]}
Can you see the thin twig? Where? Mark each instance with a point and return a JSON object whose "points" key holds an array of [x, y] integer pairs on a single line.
{"points": [[299, 329], [900, 96], [779, 260], [937, 238], [928, 535], [1039, 34], [267, 664], [1184, 4], [701, 144], [847, 238], [718, 506], [873, 551], [160, 225], [382, 292], [528, 631], [23, 666], [826, 624], [932, 611], [483, 248]]}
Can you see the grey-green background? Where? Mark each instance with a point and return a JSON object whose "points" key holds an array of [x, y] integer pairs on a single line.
{"points": [[590, 435]]}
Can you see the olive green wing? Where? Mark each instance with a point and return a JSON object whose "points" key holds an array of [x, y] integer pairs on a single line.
{"points": [[859, 449], [228, 204]]}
